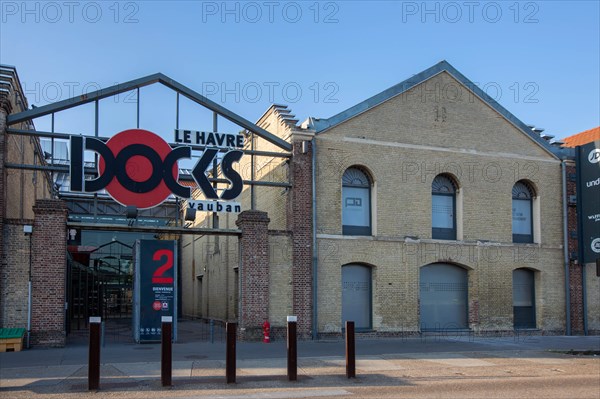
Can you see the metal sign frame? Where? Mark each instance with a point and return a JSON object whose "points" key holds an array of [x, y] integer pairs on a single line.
{"points": [[90, 169]]}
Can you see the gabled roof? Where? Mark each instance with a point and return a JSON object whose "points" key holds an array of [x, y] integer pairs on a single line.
{"points": [[582, 138], [141, 82], [322, 125]]}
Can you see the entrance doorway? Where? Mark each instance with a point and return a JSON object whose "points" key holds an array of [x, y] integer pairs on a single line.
{"points": [[523, 298], [443, 296], [356, 296], [100, 284]]}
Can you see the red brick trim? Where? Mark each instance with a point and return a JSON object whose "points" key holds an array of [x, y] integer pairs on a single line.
{"points": [[49, 273], [300, 222], [254, 272]]}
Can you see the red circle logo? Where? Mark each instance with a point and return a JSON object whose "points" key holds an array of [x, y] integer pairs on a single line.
{"points": [[156, 305], [138, 164]]}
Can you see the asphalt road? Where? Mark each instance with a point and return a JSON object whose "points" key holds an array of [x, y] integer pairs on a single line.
{"points": [[524, 366], [483, 374]]}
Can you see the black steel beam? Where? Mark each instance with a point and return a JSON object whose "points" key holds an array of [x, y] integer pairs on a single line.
{"points": [[82, 99], [92, 171], [41, 133], [153, 229], [224, 112], [67, 136], [141, 82]]}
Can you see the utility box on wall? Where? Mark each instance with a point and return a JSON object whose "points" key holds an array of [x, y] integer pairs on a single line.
{"points": [[154, 288]]}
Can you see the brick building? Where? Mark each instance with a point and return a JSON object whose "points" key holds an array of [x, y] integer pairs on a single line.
{"points": [[428, 207], [583, 279], [72, 248], [435, 209], [23, 195]]}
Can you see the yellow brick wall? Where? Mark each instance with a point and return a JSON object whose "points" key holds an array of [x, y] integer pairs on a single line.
{"points": [[24, 186], [403, 144], [416, 118], [214, 258], [395, 273], [268, 169], [280, 283], [217, 258], [593, 298]]}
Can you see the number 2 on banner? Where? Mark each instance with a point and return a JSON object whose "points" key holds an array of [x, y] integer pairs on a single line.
{"points": [[157, 277]]}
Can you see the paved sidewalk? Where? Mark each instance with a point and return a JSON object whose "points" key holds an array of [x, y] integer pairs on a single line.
{"points": [[136, 367]]}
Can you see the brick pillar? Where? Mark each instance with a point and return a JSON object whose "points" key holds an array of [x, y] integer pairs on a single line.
{"points": [[49, 273], [575, 269], [254, 273], [5, 110], [300, 222]]}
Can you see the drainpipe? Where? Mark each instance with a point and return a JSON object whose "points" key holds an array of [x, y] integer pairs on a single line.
{"points": [[314, 243], [29, 232], [584, 293], [240, 314], [29, 313], [578, 160], [566, 248]]}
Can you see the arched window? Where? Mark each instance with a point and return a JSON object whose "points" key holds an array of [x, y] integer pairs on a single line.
{"points": [[522, 212], [356, 203], [443, 208]]}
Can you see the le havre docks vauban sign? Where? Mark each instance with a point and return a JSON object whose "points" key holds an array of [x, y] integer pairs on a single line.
{"points": [[138, 168]]}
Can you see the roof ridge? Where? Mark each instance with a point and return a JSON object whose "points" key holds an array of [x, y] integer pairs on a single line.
{"points": [[322, 125]]}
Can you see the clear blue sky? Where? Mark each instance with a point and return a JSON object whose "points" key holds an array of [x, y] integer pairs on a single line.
{"points": [[539, 59]]}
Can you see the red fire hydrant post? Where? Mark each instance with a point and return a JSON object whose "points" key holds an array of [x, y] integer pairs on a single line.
{"points": [[266, 332]]}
